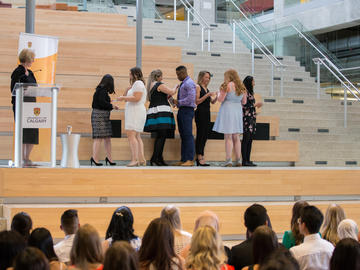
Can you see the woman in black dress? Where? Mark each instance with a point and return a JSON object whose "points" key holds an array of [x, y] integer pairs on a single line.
{"points": [[202, 115], [23, 74], [100, 119], [159, 118], [249, 118]]}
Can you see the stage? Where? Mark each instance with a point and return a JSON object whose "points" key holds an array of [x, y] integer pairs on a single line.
{"points": [[96, 191]]}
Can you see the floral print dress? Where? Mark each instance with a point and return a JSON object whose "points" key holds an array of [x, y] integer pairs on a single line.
{"points": [[249, 114]]}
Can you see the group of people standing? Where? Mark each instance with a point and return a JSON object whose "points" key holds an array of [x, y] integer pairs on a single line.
{"points": [[237, 115]]}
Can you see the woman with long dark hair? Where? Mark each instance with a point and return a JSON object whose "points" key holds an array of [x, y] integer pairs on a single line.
{"points": [[135, 115], [346, 255], [121, 229], [160, 118], [41, 238], [202, 115], [121, 256], [249, 119], [100, 119], [157, 248]]}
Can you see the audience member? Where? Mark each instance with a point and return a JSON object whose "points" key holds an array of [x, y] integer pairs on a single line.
{"points": [[31, 259], [346, 255], [294, 237], [229, 120], [207, 251], [42, 239], [121, 229], [11, 244], [348, 229], [69, 225], [268, 223], [160, 118], [334, 214], [264, 243], [280, 259], [314, 253], [242, 254], [157, 248], [86, 252], [181, 238], [22, 224], [122, 256]]}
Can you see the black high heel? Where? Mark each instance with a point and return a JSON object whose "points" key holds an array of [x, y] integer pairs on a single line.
{"points": [[93, 161], [157, 163], [201, 165], [108, 161], [162, 162]]}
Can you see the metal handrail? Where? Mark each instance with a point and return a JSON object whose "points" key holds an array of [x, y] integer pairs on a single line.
{"points": [[157, 11], [346, 69], [195, 13], [245, 16]]}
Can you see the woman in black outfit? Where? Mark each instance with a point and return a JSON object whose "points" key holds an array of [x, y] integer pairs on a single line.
{"points": [[249, 118], [159, 118], [100, 119], [202, 115], [23, 74]]}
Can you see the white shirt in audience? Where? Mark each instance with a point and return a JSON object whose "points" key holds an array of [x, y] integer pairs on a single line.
{"points": [[181, 239], [314, 253], [63, 248]]}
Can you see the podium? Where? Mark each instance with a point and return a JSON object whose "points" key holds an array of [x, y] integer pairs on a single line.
{"points": [[35, 115]]}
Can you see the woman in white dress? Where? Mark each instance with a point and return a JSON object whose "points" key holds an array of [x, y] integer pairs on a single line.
{"points": [[135, 115]]}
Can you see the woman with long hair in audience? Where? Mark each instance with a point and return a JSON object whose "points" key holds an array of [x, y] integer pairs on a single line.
{"points": [[249, 119], [265, 242], [346, 255], [121, 229], [11, 244], [181, 238], [280, 259], [100, 119], [135, 115], [293, 237], [348, 229], [160, 118], [86, 252], [31, 258], [207, 251], [41, 238], [121, 256], [157, 248], [229, 120], [22, 224], [202, 114], [333, 216]]}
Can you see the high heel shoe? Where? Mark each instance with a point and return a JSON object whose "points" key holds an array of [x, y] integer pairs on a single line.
{"points": [[142, 163], [155, 163], [93, 161], [162, 162], [108, 161], [136, 164], [201, 164]]}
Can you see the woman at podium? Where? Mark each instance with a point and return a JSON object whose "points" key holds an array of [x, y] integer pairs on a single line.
{"points": [[23, 74]]}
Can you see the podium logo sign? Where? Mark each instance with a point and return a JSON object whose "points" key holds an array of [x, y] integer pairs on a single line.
{"points": [[36, 115]]}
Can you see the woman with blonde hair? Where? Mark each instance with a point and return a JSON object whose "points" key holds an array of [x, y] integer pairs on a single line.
{"points": [[333, 216], [202, 114], [160, 118], [230, 117], [206, 251], [348, 229], [86, 252], [135, 115]]}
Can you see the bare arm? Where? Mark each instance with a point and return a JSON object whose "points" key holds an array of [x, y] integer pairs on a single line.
{"points": [[244, 99], [163, 88], [199, 99], [135, 98]]}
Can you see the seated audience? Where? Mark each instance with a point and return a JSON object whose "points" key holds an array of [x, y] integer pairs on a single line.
{"points": [[69, 225], [121, 229], [42, 239], [206, 251], [265, 242], [181, 238], [31, 259], [122, 256], [22, 224], [242, 254], [314, 253], [334, 214], [346, 255], [11, 244], [294, 237], [157, 249], [86, 252], [280, 259], [348, 229]]}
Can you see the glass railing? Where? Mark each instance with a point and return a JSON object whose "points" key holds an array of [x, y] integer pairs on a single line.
{"points": [[98, 6]]}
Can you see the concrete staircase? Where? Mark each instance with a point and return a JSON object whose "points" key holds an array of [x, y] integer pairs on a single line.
{"points": [[318, 125]]}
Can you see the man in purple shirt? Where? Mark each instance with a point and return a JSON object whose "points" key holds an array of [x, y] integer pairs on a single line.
{"points": [[186, 104]]}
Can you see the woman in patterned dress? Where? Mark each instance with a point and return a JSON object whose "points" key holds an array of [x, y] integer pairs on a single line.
{"points": [[100, 119], [249, 119]]}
